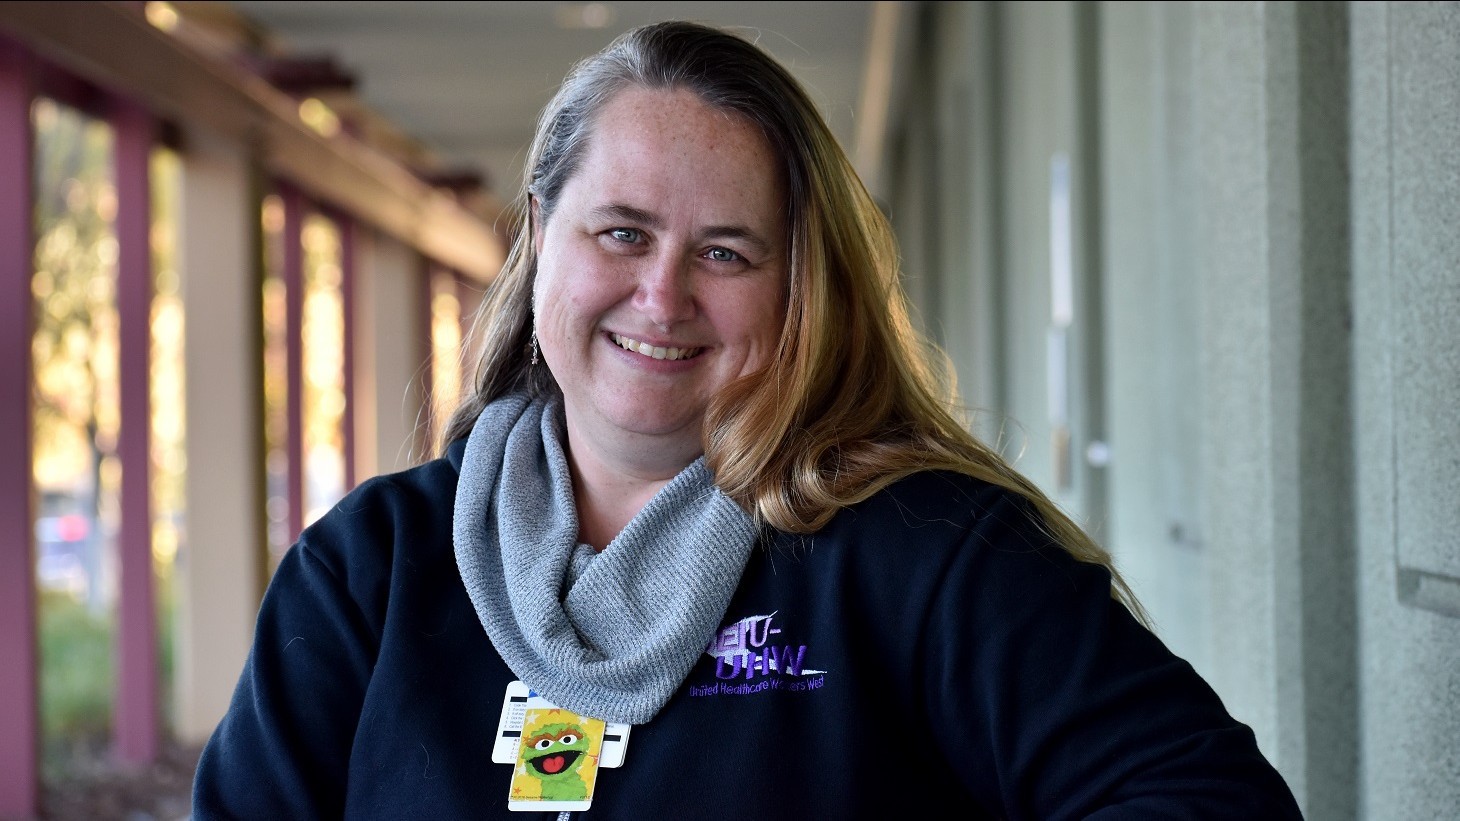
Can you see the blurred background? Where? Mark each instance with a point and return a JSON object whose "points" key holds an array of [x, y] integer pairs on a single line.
{"points": [[1195, 265]]}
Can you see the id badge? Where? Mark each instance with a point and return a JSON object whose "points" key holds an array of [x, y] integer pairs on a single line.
{"points": [[557, 761], [514, 712]]}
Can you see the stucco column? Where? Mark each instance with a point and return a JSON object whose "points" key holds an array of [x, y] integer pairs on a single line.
{"points": [[391, 340], [218, 567]]}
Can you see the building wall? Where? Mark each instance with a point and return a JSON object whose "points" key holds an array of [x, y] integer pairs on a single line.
{"points": [[1262, 201], [1406, 300]]}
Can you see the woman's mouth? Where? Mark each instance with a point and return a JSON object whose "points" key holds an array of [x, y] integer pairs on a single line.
{"points": [[645, 349]]}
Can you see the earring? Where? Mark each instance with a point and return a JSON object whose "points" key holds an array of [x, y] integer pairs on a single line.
{"points": [[534, 346]]}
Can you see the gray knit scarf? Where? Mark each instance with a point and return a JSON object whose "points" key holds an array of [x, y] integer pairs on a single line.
{"points": [[609, 635]]}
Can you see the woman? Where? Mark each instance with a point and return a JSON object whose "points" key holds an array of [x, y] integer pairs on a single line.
{"points": [[706, 489]]}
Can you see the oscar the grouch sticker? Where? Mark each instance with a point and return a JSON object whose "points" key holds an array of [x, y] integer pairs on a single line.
{"points": [[558, 760]]}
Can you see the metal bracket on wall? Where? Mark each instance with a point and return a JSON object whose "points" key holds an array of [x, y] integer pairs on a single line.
{"points": [[1440, 594]]}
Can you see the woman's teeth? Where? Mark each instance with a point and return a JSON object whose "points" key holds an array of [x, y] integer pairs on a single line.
{"points": [[649, 350]]}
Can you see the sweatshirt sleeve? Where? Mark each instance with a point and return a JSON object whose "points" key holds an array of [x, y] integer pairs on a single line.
{"points": [[1069, 707], [283, 748]]}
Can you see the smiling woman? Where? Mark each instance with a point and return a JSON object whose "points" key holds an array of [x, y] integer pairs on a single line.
{"points": [[670, 237], [706, 494]]}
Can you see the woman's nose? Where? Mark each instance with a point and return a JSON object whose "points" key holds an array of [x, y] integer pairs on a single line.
{"points": [[665, 293]]}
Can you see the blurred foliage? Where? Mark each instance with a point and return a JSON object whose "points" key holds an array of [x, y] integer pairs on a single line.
{"points": [[77, 416], [166, 649], [76, 684], [75, 681], [322, 352], [168, 399], [276, 380], [167, 385], [74, 348], [76, 413], [446, 334]]}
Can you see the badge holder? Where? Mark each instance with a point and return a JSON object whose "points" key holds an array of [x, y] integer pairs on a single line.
{"points": [[555, 753]]}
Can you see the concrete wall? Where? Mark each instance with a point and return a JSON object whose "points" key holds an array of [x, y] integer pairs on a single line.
{"points": [[1272, 186], [1267, 275], [1406, 272]]}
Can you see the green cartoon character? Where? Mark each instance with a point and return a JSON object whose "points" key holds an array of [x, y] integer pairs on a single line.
{"points": [[555, 754]]}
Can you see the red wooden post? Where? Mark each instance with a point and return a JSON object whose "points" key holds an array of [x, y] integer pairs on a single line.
{"points": [[293, 240], [19, 732], [136, 718]]}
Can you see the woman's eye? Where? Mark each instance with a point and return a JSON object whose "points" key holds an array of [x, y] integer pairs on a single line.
{"points": [[722, 254], [625, 234]]}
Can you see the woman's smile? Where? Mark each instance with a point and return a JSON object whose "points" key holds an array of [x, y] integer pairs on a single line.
{"points": [[653, 351]]}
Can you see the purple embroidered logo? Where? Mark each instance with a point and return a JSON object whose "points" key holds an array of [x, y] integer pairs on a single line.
{"points": [[750, 649]]}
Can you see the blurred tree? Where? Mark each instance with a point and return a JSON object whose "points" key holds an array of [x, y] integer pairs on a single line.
{"points": [[74, 348], [76, 413]]}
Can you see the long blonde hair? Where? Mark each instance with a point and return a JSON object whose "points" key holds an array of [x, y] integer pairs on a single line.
{"points": [[854, 398]]}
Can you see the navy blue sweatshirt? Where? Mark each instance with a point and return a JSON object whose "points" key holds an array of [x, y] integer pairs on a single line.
{"points": [[930, 650]]}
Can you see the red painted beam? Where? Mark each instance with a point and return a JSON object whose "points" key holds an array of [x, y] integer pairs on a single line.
{"points": [[293, 240], [19, 731], [136, 720], [302, 75]]}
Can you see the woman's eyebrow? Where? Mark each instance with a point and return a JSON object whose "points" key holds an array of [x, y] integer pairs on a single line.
{"points": [[627, 213]]}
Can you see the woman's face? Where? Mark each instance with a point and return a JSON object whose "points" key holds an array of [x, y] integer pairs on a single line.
{"points": [[662, 268]]}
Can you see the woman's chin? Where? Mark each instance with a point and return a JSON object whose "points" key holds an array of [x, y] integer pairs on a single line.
{"points": [[674, 429], [668, 427]]}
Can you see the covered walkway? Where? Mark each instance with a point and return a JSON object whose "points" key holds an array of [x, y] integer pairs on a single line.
{"points": [[1194, 263]]}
